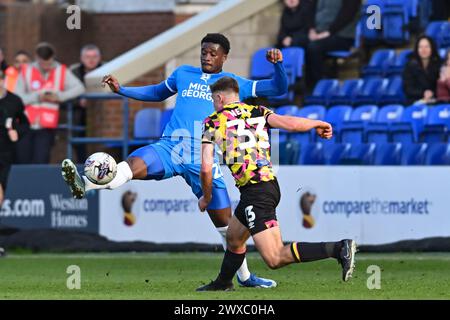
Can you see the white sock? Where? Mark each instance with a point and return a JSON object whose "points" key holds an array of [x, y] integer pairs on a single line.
{"points": [[243, 272], [123, 175]]}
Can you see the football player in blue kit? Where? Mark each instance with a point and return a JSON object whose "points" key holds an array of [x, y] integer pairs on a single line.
{"points": [[178, 152]]}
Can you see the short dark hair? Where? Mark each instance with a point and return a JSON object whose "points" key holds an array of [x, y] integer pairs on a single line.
{"points": [[45, 51], [219, 39], [225, 84], [25, 53]]}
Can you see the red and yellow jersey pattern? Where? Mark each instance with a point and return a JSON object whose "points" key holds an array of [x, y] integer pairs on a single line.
{"points": [[242, 133]]}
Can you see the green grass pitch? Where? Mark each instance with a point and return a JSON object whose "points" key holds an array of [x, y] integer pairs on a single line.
{"points": [[177, 275]]}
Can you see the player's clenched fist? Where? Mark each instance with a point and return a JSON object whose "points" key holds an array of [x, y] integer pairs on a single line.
{"points": [[324, 130], [202, 204], [112, 82], [274, 55]]}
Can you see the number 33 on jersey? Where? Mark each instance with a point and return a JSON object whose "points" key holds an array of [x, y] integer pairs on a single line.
{"points": [[241, 132]]}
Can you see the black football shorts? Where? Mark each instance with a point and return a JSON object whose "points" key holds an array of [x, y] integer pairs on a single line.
{"points": [[257, 207]]}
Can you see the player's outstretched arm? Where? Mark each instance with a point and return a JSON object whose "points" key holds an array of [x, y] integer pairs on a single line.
{"points": [[278, 84], [297, 124], [158, 92], [206, 177]]}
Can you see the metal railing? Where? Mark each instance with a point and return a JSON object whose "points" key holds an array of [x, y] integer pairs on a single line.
{"points": [[70, 127]]}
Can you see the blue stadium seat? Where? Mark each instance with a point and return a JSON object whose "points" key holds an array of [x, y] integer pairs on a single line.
{"points": [[346, 92], [438, 154], [314, 112], [311, 154], [402, 133], [396, 68], [289, 152], [370, 36], [289, 110], [293, 59], [439, 115], [366, 113], [377, 133], [260, 68], [353, 130], [393, 91], [388, 154], [413, 7], [438, 30], [413, 154], [390, 113], [147, 123], [336, 116], [395, 19], [379, 63], [147, 126], [323, 90], [446, 36], [334, 153], [433, 134], [412, 123], [360, 154], [370, 91], [437, 124]]}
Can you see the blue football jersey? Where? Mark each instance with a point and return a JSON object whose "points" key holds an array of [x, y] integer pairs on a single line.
{"points": [[194, 102]]}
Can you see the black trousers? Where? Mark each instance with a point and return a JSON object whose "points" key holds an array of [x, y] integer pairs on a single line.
{"points": [[35, 146], [79, 119], [6, 159], [316, 53]]}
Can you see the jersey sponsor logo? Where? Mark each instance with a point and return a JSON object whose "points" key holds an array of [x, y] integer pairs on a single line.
{"points": [[205, 77], [197, 90]]}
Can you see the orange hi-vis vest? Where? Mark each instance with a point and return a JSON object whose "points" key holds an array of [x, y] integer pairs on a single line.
{"points": [[43, 114], [11, 76]]}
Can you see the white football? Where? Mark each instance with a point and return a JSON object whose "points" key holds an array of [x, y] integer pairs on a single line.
{"points": [[100, 168]]}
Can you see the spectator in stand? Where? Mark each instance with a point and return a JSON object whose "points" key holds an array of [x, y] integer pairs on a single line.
{"points": [[12, 72], [443, 85], [90, 59], [422, 72], [43, 85], [334, 28], [296, 20], [13, 125], [3, 64]]}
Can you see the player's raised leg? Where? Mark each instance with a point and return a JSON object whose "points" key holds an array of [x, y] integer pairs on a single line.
{"points": [[143, 163]]}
